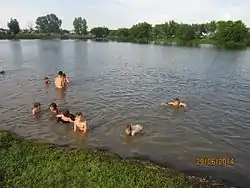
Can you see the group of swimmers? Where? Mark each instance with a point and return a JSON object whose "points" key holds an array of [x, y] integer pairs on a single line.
{"points": [[78, 120], [64, 116]]}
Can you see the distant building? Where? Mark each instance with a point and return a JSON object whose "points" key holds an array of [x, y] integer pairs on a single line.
{"points": [[5, 31]]}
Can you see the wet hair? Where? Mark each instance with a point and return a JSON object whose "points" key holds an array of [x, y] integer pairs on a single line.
{"points": [[129, 127], [72, 117], [177, 99], [46, 78], [66, 113], [64, 75], [79, 114], [53, 105], [60, 73], [37, 104]]}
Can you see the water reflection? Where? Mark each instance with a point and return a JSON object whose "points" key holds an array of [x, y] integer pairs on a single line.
{"points": [[16, 53], [119, 86], [60, 95], [50, 57], [81, 55]]}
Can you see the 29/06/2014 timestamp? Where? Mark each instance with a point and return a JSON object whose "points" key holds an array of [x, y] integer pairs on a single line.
{"points": [[212, 161]]}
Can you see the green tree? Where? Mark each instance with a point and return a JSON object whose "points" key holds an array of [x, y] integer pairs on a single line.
{"points": [[173, 26], [231, 34], [64, 31], [211, 28], [123, 32], [100, 32], [185, 33], [159, 32], [80, 26], [141, 31], [49, 23], [13, 26]]}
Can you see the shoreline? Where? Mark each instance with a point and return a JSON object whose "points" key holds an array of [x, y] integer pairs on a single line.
{"points": [[141, 166], [168, 42]]}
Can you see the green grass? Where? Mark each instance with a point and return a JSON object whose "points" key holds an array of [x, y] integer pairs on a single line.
{"points": [[25, 163]]}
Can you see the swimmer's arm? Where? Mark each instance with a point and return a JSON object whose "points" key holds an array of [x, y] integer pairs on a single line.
{"points": [[167, 103], [183, 104], [70, 120], [170, 103], [67, 80], [74, 126], [34, 111], [164, 103], [59, 115], [85, 127]]}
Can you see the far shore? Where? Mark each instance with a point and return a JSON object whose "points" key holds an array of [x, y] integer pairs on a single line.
{"points": [[56, 166], [168, 42]]}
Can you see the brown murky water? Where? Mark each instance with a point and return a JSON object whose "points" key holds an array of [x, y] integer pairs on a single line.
{"points": [[116, 83]]}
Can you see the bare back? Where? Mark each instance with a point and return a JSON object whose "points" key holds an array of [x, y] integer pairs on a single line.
{"points": [[59, 82]]}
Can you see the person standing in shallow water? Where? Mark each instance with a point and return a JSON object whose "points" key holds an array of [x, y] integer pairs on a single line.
{"points": [[59, 80]]}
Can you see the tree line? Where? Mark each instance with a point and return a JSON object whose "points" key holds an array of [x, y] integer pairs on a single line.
{"points": [[228, 34]]}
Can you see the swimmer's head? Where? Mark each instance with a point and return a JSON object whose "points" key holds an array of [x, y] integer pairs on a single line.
{"points": [[36, 108], [128, 129], [36, 105], [66, 113], [60, 73], [46, 79], [177, 100], [53, 107], [79, 116], [64, 75]]}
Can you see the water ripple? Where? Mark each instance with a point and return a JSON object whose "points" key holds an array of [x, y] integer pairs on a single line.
{"points": [[122, 85]]}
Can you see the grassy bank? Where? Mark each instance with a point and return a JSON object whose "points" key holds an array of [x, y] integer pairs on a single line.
{"points": [[26, 163]]}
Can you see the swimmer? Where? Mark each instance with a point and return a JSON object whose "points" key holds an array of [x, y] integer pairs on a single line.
{"points": [[36, 108], [59, 80], [132, 130], [53, 108], [175, 103], [46, 80], [2, 72], [80, 122], [65, 117], [66, 80]]}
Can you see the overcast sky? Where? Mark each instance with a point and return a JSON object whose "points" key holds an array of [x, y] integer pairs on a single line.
{"points": [[124, 13]]}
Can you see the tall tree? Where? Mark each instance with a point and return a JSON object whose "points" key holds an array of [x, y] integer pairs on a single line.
{"points": [[80, 26], [231, 33], [13, 26], [185, 33], [141, 31], [122, 32], [100, 32], [49, 23]]}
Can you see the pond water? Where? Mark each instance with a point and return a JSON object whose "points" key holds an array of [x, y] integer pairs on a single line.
{"points": [[118, 83]]}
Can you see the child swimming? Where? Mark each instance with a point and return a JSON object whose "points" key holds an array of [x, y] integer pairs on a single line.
{"points": [[66, 80], [175, 103], [46, 80], [132, 130], [36, 108], [80, 122], [65, 117], [53, 108]]}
